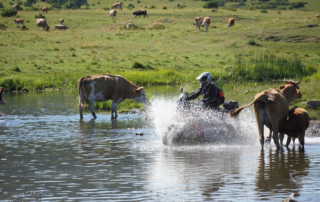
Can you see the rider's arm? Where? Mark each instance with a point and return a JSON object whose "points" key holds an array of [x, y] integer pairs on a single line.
{"points": [[194, 95], [213, 95]]}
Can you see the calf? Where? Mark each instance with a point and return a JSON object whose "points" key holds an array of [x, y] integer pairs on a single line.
{"points": [[44, 9], [140, 12], [202, 21], [116, 5], [41, 22], [18, 21], [231, 22], [104, 87], [23, 27], [2, 101], [61, 27], [113, 13], [61, 21]]}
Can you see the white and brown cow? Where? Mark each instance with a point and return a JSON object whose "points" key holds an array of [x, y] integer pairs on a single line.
{"points": [[61, 27], [41, 22], [116, 5], [18, 21], [202, 21], [271, 108], [61, 21], [2, 101], [16, 7], [112, 13], [44, 9], [104, 87]]}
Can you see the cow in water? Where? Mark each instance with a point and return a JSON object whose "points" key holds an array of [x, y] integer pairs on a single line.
{"points": [[18, 21], [202, 21], [104, 87], [116, 5], [271, 108], [113, 13], [140, 12], [2, 101]]}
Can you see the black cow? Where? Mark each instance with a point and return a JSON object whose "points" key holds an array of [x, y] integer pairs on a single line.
{"points": [[140, 12]]}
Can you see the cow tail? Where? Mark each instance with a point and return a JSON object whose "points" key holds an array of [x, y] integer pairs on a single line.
{"points": [[80, 82], [237, 112]]}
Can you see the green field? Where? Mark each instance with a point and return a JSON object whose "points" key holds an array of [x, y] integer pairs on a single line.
{"points": [[261, 47]]}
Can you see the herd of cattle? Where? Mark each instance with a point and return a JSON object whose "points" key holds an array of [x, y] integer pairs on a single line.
{"points": [[271, 107]]}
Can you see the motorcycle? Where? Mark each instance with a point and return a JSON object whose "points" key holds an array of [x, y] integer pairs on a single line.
{"points": [[194, 124]]}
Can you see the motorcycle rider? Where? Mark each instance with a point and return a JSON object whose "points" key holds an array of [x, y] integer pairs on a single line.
{"points": [[212, 95]]}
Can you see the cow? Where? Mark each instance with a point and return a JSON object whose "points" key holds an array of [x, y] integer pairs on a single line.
{"points": [[61, 27], [23, 27], [104, 87], [61, 21], [41, 22], [294, 127], [318, 17], [157, 24], [129, 25], [2, 101], [231, 22], [140, 12], [116, 5], [202, 21], [16, 7], [113, 13], [18, 21], [44, 9], [271, 107]]}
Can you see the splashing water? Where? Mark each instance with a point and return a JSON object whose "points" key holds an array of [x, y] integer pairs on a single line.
{"points": [[198, 126]]}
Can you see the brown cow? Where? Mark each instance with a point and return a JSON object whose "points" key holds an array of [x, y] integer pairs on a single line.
{"points": [[116, 5], [44, 9], [202, 21], [104, 87], [231, 22], [271, 107], [41, 22], [2, 101], [61, 27], [23, 27], [61, 21], [294, 127], [18, 21]]}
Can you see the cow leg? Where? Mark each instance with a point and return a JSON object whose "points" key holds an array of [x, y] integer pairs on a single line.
{"points": [[114, 110], [206, 28], [91, 107], [259, 118], [268, 139], [281, 136], [80, 107], [301, 138], [288, 141]]}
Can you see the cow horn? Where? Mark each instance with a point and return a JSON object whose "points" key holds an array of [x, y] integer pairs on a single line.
{"points": [[296, 83], [285, 80]]}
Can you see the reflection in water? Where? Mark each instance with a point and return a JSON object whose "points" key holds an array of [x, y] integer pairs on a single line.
{"points": [[280, 170]]}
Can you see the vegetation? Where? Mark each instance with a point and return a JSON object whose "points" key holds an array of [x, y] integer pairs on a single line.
{"points": [[8, 12]]}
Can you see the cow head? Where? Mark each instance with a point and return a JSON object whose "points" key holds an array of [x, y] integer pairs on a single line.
{"points": [[291, 90], [140, 95], [2, 101]]}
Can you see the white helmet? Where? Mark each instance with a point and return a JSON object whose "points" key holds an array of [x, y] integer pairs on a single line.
{"points": [[205, 77]]}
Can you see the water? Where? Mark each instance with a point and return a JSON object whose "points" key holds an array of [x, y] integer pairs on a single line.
{"points": [[47, 154]]}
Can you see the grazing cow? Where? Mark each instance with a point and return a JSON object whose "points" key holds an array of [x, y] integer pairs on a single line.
{"points": [[61, 21], [271, 107], [18, 21], [44, 9], [294, 127], [140, 12], [104, 87], [231, 22], [318, 16], [61, 27], [41, 22], [116, 5], [202, 21], [113, 13], [2, 101], [16, 7], [23, 27]]}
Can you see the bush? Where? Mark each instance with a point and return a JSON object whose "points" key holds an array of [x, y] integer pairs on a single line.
{"points": [[297, 5], [2, 26], [264, 11], [16, 69], [232, 9], [164, 7], [130, 6], [40, 16], [212, 4], [1, 5], [32, 9], [251, 42], [152, 7], [8, 12]]}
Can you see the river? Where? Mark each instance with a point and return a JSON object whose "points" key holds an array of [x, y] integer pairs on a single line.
{"points": [[48, 154]]}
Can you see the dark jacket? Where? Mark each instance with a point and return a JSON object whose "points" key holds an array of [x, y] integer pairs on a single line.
{"points": [[211, 96]]}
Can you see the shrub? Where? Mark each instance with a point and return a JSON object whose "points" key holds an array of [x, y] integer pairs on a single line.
{"points": [[212, 4], [264, 11], [152, 7], [296, 5], [8, 12], [137, 65], [138, 1], [33, 9], [164, 7], [16, 69], [2, 26], [130, 6], [40, 16], [1, 5], [232, 9], [251, 42]]}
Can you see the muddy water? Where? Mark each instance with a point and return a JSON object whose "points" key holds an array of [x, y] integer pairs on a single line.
{"points": [[47, 154]]}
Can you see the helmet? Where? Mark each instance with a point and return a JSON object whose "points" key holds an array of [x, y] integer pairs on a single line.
{"points": [[204, 78]]}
